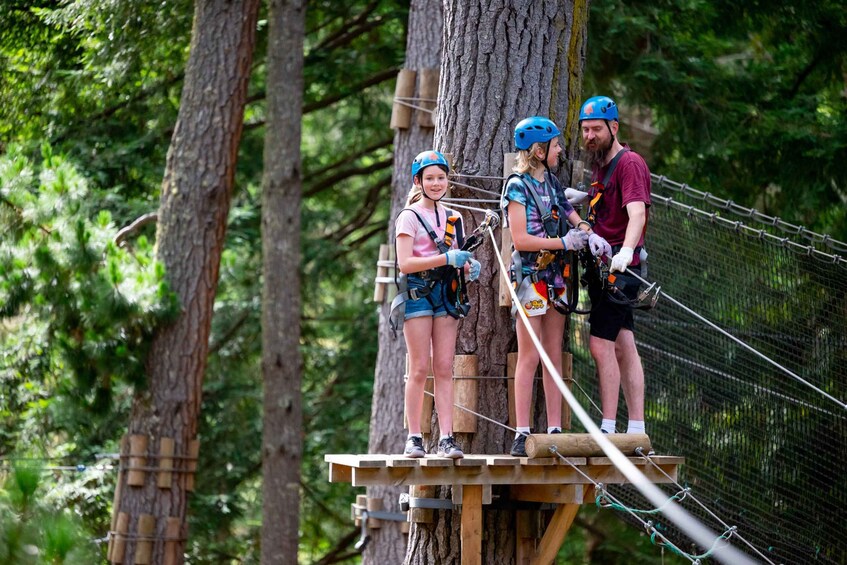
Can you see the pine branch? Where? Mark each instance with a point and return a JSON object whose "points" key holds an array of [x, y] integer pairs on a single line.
{"points": [[332, 180]]}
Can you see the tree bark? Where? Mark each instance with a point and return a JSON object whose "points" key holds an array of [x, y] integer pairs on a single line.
{"points": [[282, 365], [387, 434], [194, 204], [526, 58]]}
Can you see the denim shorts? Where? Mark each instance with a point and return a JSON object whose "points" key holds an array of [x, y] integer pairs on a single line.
{"points": [[430, 305]]}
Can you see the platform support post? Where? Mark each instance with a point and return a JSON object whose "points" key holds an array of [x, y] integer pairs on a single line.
{"points": [[555, 534], [472, 525]]}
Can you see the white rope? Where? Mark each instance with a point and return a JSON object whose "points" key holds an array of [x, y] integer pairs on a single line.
{"points": [[421, 108], [476, 188], [744, 345], [674, 512]]}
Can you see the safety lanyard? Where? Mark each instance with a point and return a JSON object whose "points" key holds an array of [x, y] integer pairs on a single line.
{"points": [[600, 187], [442, 246]]}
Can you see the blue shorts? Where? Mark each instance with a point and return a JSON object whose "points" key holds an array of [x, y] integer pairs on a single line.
{"points": [[430, 305]]}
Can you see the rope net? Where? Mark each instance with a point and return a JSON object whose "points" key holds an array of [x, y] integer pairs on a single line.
{"points": [[764, 451]]}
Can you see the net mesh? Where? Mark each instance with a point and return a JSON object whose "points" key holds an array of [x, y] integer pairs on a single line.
{"points": [[764, 451]]}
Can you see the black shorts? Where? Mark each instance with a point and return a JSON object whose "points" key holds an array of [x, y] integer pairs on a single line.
{"points": [[608, 318]]}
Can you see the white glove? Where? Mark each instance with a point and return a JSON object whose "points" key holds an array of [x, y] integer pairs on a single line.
{"points": [[599, 246], [575, 240], [576, 197], [622, 260], [473, 272]]}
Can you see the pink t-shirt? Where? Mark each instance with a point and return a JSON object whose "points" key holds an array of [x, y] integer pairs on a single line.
{"points": [[408, 224]]}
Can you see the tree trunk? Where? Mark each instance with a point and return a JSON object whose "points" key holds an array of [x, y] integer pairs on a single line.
{"points": [[193, 211], [282, 438], [387, 434], [525, 58]]}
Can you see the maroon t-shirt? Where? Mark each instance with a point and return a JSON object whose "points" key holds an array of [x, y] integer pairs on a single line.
{"points": [[630, 182]]}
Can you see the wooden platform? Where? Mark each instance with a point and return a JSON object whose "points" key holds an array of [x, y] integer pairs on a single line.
{"points": [[374, 469]]}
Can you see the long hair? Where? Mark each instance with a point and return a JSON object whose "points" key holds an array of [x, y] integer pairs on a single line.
{"points": [[526, 160], [415, 194]]}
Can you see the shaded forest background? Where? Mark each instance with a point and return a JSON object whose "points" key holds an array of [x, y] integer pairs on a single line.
{"points": [[745, 102]]}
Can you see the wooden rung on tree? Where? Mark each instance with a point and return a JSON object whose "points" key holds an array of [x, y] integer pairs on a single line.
{"points": [[401, 114], [506, 237], [137, 460], [384, 274], [428, 89]]}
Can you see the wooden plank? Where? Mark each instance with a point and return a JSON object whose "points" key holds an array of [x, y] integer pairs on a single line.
{"points": [[526, 522], [550, 544], [359, 461], [435, 461], [465, 393], [657, 459], [499, 475], [340, 473], [472, 525], [472, 461], [555, 494]]}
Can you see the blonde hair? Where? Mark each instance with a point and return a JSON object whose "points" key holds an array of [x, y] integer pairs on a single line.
{"points": [[415, 194], [526, 160]]}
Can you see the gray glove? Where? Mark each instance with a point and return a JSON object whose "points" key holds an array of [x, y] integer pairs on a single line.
{"points": [[599, 246], [575, 240]]}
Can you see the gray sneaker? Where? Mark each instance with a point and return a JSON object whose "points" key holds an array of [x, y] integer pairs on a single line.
{"points": [[447, 447], [414, 448], [519, 446]]}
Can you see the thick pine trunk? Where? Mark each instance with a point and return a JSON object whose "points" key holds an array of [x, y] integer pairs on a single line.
{"points": [[503, 61], [192, 222], [282, 443], [387, 434]]}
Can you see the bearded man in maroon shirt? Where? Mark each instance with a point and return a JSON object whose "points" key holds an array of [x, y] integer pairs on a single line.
{"points": [[619, 215]]}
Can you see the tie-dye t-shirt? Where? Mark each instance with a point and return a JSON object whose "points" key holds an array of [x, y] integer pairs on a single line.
{"points": [[550, 192]]}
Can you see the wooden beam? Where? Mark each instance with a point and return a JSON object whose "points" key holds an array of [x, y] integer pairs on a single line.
{"points": [[583, 445], [472, 525], [554, 494], [550, 544]]}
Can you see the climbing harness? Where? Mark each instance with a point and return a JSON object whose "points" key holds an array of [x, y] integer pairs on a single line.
{"points": [[554, 227]]}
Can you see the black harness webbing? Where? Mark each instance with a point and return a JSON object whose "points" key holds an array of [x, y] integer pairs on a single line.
{"points": [[595, 200]]}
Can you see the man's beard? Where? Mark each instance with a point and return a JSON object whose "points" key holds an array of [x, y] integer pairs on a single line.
{"points": [[596, 156]]}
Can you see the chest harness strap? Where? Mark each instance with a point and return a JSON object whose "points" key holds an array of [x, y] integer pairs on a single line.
{"points": [[430, 276]]}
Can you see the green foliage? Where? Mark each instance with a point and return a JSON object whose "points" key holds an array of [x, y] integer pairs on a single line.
{"points": [[34, 532], [93, 305], [748, 98]]}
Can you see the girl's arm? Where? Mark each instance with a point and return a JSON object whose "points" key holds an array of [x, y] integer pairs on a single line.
{"points": [[408, 263], [524, 241], [579, 223]]}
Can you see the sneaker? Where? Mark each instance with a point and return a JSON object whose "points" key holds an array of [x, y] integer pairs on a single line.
{"points": [[447, 447], [519, 446], [556, 432], [414, 447]]}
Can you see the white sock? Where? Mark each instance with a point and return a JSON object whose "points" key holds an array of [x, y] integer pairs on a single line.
{"points": [[443, 436], [635, 427], [607, 426], [552, 429], [418, 435], [523, 430]]}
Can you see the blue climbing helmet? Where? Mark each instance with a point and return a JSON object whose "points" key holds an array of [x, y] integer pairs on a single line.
{"points": [[427, 158], [599, 108], [536, 129]]}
